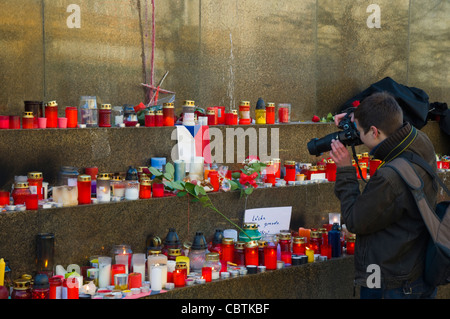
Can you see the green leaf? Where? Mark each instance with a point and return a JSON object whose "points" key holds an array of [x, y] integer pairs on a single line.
{"points": [[177, 185], [155, 171], [181, 194], [249, 190], [234, 185], [190, 188], [169, 169], [198, 189], [168, 176], [236, 175]]}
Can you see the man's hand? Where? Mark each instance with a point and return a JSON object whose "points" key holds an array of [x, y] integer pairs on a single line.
{"points": [[339, 154]]}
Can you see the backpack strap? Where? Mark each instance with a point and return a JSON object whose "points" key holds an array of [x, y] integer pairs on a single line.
{"points": [[407, 172]]}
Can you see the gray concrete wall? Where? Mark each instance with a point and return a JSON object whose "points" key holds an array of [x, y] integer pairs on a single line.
{"points": [[314, 54]]}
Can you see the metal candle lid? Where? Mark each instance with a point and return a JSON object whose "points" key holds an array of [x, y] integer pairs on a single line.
{"points": [[210, 112], [234, 111], [227, 241], [251, 226], [51, 104], [244, 103], [289, 162], [105, 107], [299, 240], [84, 178], [159, 112], [146, 182], [168, 105], [28, 115], [150, 113], [34, 175], [212, 257], [240, 245], [270, 104], [103, 176], [251, 244], [174, 252], [21, 185], [181, 265], [189, 103]]}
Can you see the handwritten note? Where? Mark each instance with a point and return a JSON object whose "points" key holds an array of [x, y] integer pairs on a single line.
{"points": [[270, 219]]}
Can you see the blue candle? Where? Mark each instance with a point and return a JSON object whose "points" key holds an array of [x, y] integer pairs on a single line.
{"points": [[180, 170], [158, 162], [334, 239]]}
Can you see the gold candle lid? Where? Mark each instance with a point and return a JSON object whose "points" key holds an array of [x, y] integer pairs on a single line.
{"points": [[212, 256], [276, 160], [21, 185], [289, 162], [210, 112], [234, 111], [159, 112], [244, 103], [227, 241], [240, 245], [270, 104], [299, 240], [149, 112], [315, 234], [28, 115], [146, 182], [103, 176], [84, 178], [189, 103], [250, 226], [251, 244], [262, 243], [105, 107], [174, 251], [51, 104], [180, 265], [21, 284], [168, 105], [34, 175], [284, 236]]}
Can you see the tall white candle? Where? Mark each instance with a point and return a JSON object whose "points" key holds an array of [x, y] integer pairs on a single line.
{"points": [[156, 275], [104, 276], [155, 259]]}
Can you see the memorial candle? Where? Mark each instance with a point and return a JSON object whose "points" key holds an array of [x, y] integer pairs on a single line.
{"points": [[270, 256], [299, 245], [207, 273], [156, 277], [251, 253], [84, 189], [51, 113], [168, 114]]}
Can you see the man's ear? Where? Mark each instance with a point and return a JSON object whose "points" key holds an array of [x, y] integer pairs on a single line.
{"points": [[375, 132]]}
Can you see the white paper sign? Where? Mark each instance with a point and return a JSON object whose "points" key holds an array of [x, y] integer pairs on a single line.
{"points": [[270, 219]]}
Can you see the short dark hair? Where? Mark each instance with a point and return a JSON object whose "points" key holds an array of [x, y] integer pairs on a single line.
{"points": [[380, 110]]}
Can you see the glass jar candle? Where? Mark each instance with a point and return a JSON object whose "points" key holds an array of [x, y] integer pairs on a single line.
{"points": [[117, 186], [235, 117], [35, 183], [150, 120], [239, 253], [103, 188], [214, 179], [188, 113], [244, 113], [251, 253], [72, 116], [270, 173], [20, 192], [277, 167], [117, 115], [168, 114], [41, 288], [51, 113], [227, 251], [350, 245], [365, 158], [159, 118], [157, 189], [270, 113], [212, 261], [14, 122], [21, 289], [4, 122], [250, 229], [131, 189], [55, 284], [298, 245], [84, 189], [104, 115], [285, 247], [87, 111], [37, 107], [284, 113], [180, 274], [331, 170], [261, 245], [270, 255], [290, 171], [314, 241], [212, 117], [27, 120], [229, 118], [145, 189], [220, 114]]}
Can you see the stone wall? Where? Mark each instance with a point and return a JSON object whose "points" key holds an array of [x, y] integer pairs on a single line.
{"points": [[312, 54]]}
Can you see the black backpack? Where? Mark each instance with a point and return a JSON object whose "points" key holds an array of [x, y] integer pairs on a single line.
{"points": [[437, 219], [413, 101]]}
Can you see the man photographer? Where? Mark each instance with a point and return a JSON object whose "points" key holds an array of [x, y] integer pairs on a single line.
{"points": [[389, 228]]}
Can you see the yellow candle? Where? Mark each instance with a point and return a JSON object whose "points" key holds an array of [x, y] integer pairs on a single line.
{"points": [[184, 259], [2, 272], [310, 254]]}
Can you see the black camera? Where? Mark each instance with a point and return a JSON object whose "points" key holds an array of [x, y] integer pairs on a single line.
{"points": [[349, 136]]}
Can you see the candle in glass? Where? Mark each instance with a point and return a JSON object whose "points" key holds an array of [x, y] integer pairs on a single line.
{"points": [[84, 189], [270, 256], [168, 114], [156, 277], [155, 258], [239, 253], [298, 245], [35, 183], [51, 113], [145, 189], [251, 253], [180, 170], [104, 276], [103, 188]]}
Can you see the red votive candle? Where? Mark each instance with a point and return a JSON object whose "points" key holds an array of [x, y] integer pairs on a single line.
{"points": [[351, 245], [331, 170], [32, 202], [270, 113], [229, 118], [179, 278], [158, 189], [207, 273], [4, 122], [51, 113], [145, 189], [72, 116], [214, 179], [290, 171], [71, 284], [55, 287], [270, 256], [4, 198], [14, 122], [159, 119], [104, 115], [168, 114], [220, 114], [251, 253], [227, 252], [35, 180], [27, 120], [286, 256], [211, 113], [134, 280], [239, 254], [150, 120], [117, 269], [298, 246], [84, 189], [314, 241]]}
